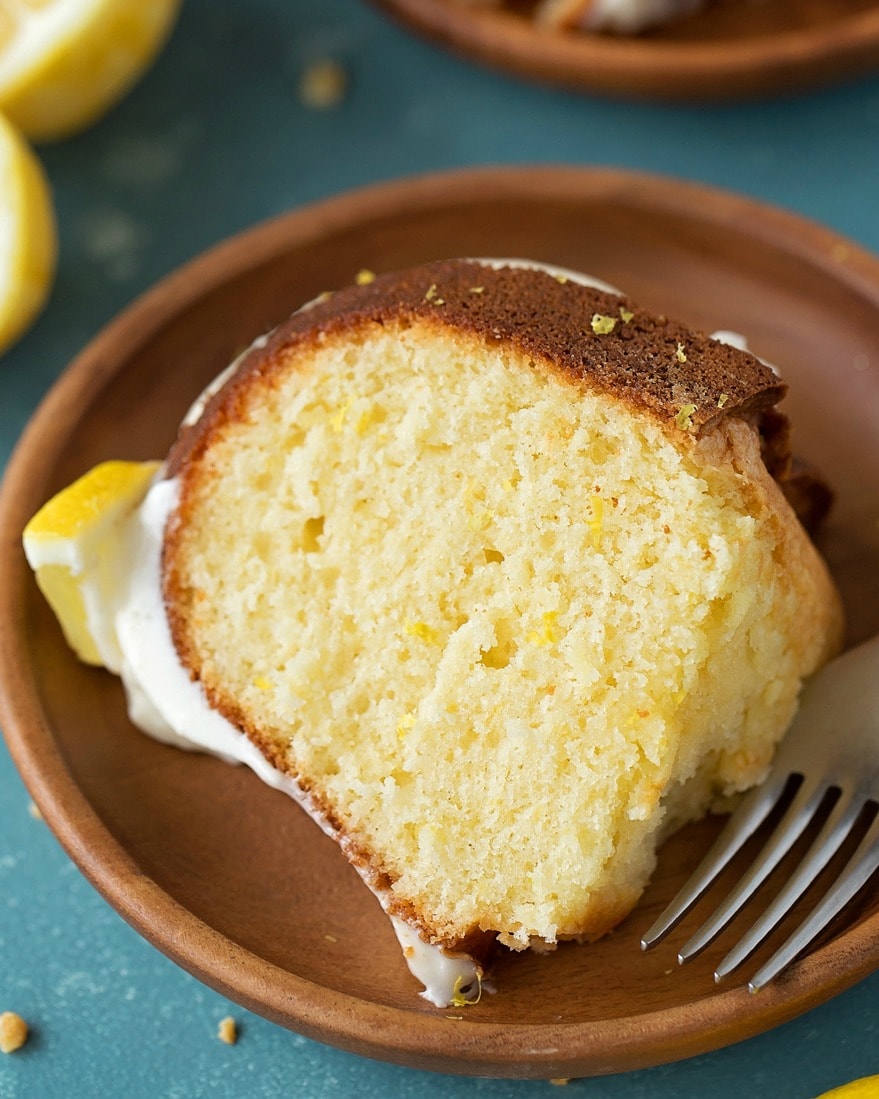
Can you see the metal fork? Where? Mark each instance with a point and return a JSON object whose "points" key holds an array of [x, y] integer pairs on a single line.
{"points": [[833, 747]]}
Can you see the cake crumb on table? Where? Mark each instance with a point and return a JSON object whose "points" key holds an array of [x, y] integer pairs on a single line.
{"points": [[13, 1032], [323, 84], [227, 1031]]}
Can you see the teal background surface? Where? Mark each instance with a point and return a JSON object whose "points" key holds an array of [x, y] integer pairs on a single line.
{"points": [[214, 139]]}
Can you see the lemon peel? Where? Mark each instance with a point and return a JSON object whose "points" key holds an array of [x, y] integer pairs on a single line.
{"points": [[602, 325], [684, 417], [70, 544], [431, 295], [867, 1087], [64, 63], [28, 236], [460, 998]]}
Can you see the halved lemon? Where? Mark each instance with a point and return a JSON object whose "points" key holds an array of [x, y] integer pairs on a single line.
{"points": [[63, 63], [865, 1088], [28, 239], [73, 545]]}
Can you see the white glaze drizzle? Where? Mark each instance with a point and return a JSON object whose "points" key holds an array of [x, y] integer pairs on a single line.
{"points": [[165, 703]]}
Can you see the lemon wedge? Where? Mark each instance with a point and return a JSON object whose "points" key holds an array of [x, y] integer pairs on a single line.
{"points": [[74, 543], [28, 241], [865, 1088], [63, 63]]}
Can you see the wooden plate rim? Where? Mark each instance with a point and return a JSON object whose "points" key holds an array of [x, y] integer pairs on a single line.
{"points": [[375, 1030], [637, 67]]}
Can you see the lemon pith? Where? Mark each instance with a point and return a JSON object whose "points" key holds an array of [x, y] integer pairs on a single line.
{"points": [[72, 545], [28, 239], [63, 63]]}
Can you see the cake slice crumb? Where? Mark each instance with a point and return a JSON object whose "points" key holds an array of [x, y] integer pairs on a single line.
{"points": [[13, 1032], [227, 1031]]}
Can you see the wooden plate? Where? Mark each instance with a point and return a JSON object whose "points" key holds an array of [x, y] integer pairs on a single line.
{"points": [[228, 877], [732, 49]]}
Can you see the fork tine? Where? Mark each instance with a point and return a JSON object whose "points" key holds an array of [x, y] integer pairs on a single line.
{"points": [[795, 821], [831, 837], [751, 813], [860, 868]]}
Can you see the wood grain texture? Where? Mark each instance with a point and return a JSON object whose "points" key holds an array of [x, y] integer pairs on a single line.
{"points": [[230, 879], [733, 49]]}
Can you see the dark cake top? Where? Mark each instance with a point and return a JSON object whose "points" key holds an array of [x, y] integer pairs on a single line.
{"points": [[601, 340]]}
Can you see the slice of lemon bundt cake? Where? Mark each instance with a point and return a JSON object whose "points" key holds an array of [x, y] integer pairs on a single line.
{"points": [[496, 571], [509, 586]]}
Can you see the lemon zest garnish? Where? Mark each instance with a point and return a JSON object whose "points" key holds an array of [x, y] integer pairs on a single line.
{"points": [[422, 631], [626, 314], [458, 997], [684, 418], [477, 289], [431, 295], [561, 278], [603, 325], [405, 724], [680, 353], [364, 277], [722, 399], [261, 683]]}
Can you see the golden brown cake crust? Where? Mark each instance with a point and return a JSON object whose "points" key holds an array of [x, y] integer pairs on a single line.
{"points": [[601, 340]]}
